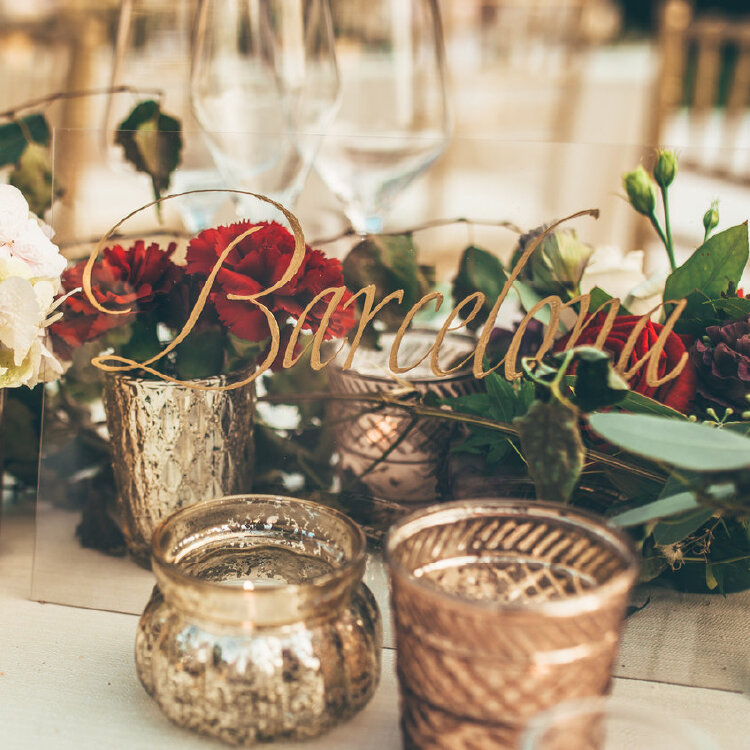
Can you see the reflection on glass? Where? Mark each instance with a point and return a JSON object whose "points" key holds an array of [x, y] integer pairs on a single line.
{"points": [[264, 71], [152, 54], [393, 121]]}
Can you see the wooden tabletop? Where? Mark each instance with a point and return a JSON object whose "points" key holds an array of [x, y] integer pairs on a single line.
{"points": [[67, 674]]}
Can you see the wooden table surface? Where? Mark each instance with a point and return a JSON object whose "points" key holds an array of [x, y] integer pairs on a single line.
{"points": [[67, 675]]}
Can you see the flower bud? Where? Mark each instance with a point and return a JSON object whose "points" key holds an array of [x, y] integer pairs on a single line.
{"points": [[567, 257], [640, 189], [711, 217], [665, 168]]}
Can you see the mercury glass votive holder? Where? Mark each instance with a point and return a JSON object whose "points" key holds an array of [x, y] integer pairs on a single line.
{"points": [[259, 627], [502, 609], [389, 452], [612, 724]]}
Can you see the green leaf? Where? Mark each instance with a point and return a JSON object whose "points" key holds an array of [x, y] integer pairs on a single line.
{"points": [[597, 384], [681, 443], [479, 271], [529, 297], [672, 530], [743, 428], [473, 403], [390, 263], [711, 582], [14, 137], [734, 307], [640, 404], [509, 400], [152, 143], [708, 273], [142, 342], [664, 506], [32, 175], [599, 297], [552, 446], [201, 354]]}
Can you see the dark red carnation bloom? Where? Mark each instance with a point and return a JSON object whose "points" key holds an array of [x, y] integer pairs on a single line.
{"points": [[258, 262], [677, 393], [121, 279]]}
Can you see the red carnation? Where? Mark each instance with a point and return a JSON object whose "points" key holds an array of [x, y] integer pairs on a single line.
{"points": [[257, 263], [677, 393], [121, 279]]}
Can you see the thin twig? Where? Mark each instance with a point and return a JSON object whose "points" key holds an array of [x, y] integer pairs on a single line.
{"points": [[122, 89], [452, 416], [351, 232]]}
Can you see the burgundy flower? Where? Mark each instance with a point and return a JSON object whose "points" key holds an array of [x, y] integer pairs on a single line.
{"points": [[722, 358], [677, 393], [121, 279], [258, 262]]}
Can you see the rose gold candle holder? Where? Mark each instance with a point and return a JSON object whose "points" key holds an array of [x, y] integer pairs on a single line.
{"points": [[395, 456], [502, 609]]}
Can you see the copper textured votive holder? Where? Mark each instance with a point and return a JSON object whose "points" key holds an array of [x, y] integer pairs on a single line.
{"points": [[502, 609], [394, 456]]}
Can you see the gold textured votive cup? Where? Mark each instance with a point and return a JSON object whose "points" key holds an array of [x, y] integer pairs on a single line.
{"points": [[502, 609], [260, 627]]}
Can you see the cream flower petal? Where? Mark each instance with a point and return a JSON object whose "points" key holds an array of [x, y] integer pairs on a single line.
{"points": [[20, 317], [14, 213], [42, 255]]}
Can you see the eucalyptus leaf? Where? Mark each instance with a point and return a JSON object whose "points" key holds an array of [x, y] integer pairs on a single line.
{"points": [[14, 137], [708, 273], [639, 404], [553, 449], [680, 443], [665, 506]]}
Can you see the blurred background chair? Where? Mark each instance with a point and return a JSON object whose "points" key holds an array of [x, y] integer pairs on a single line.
{"points": [[704, 89], [702, 107]]}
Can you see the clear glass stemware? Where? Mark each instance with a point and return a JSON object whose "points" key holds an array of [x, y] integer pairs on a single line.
{"points": [[394, 120], [263, 73]]}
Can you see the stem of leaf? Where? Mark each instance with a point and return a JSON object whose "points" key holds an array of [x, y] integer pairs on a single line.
{"points": [[667, 242], [668, 227]]}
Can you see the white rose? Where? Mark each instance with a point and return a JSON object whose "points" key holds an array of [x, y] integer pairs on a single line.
{"points": [[614, 271], [14, 213]]}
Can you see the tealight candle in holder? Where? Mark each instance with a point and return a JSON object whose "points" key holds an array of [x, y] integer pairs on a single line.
{"points": [[260, 627], [396, 456]]}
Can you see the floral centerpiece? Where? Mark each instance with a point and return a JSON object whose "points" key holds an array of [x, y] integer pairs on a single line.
{"points": [[632, 450], [188, 436]]}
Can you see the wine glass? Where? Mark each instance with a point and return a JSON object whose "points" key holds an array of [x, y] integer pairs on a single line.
{"points": [[393, 121], [264, 85], [607, 723]]}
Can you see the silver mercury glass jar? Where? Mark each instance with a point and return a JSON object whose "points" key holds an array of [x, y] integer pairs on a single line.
{"points": [[173, 446]]}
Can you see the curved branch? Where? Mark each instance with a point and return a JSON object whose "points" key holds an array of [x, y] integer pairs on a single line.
{"points": [[10, 114]]}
